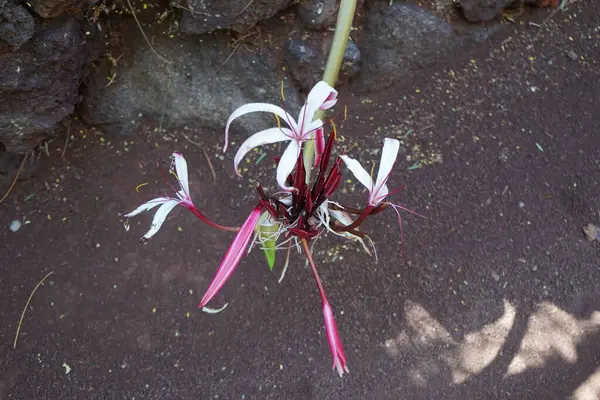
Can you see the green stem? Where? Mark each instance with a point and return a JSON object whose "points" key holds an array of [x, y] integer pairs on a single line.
{"points": [[340, 40], [332, 68]]}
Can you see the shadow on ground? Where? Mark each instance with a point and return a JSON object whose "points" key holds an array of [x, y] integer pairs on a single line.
{"points": [[500, 300]]}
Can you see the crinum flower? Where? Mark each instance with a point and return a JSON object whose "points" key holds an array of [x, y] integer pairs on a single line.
{"points": [[321, 97]]}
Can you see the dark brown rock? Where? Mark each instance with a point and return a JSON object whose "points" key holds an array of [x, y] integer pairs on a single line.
{"points": [[39, 83], [204, 16], [56, 8], [16, 24], [481, 10]]}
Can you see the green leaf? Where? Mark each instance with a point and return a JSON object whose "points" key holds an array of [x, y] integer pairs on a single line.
{"points": [[269, 243], [270, 254]]}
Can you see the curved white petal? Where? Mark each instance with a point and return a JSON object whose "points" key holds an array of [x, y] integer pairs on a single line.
{"points": [[182, 172], [263, 107], [389, 152], [359, 172], [287, 164], [321, 96], [346, 219], [160, 216], [271, 135], [311, 127], [147, 206], [286, 200]]}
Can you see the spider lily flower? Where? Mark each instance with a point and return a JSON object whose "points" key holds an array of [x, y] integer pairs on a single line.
{"points": [[167, 204], [378, 190], [321, 97], [179, 169], [233, 255]]}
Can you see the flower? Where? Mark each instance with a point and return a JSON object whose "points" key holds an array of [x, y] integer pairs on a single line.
{"points": [[333, 337], [179, 169], [378, 191], [233, 255], [322, 96]]}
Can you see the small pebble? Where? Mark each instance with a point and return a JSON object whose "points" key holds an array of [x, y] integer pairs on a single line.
{"points": [[592, 232], [521, 204], [534, 268], [572, 55], [15, 225]]}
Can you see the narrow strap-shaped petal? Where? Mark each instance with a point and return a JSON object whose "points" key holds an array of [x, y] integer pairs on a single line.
{"points": [[233, 255], [389, 152], [268, 136], [335, 344], [287, 163], [148, 206], [333, 337], [182, 172], [310, 127], [359, 172], [263, 107], [321, 96], [347, 220], [319, 145], [160, 216]]}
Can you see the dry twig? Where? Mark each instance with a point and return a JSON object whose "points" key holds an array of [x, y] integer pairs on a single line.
{"points": [[137, 21], [26, 306], [210, 165], [14, 180], [62, 155]]}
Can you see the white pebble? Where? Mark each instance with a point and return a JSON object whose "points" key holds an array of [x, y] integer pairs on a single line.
{"points": [[15, 225]]}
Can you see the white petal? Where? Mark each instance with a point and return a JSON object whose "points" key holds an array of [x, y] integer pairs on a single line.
{"points": [[182, 172], [264, 107], [148, 206], [321, 96], [359, 172], [287, 164], [388, 158], [286, 200], [160, 216], [342, 216], [271, 135], [311, 127], [325, 214]]}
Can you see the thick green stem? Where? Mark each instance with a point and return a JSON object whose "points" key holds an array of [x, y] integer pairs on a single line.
{"points": [[332, 69], [340, 40]]}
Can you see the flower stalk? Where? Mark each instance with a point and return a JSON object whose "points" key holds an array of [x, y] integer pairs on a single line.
{"points": [[332, 68]]}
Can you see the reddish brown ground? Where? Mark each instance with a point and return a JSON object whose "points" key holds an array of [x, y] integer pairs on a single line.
{"points": [[506, 282]]}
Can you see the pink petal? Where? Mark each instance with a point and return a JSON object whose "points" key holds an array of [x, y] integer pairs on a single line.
{"points": [[287, 163], [335, 344], [264, 107], [233, 255], [268, 136]]}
